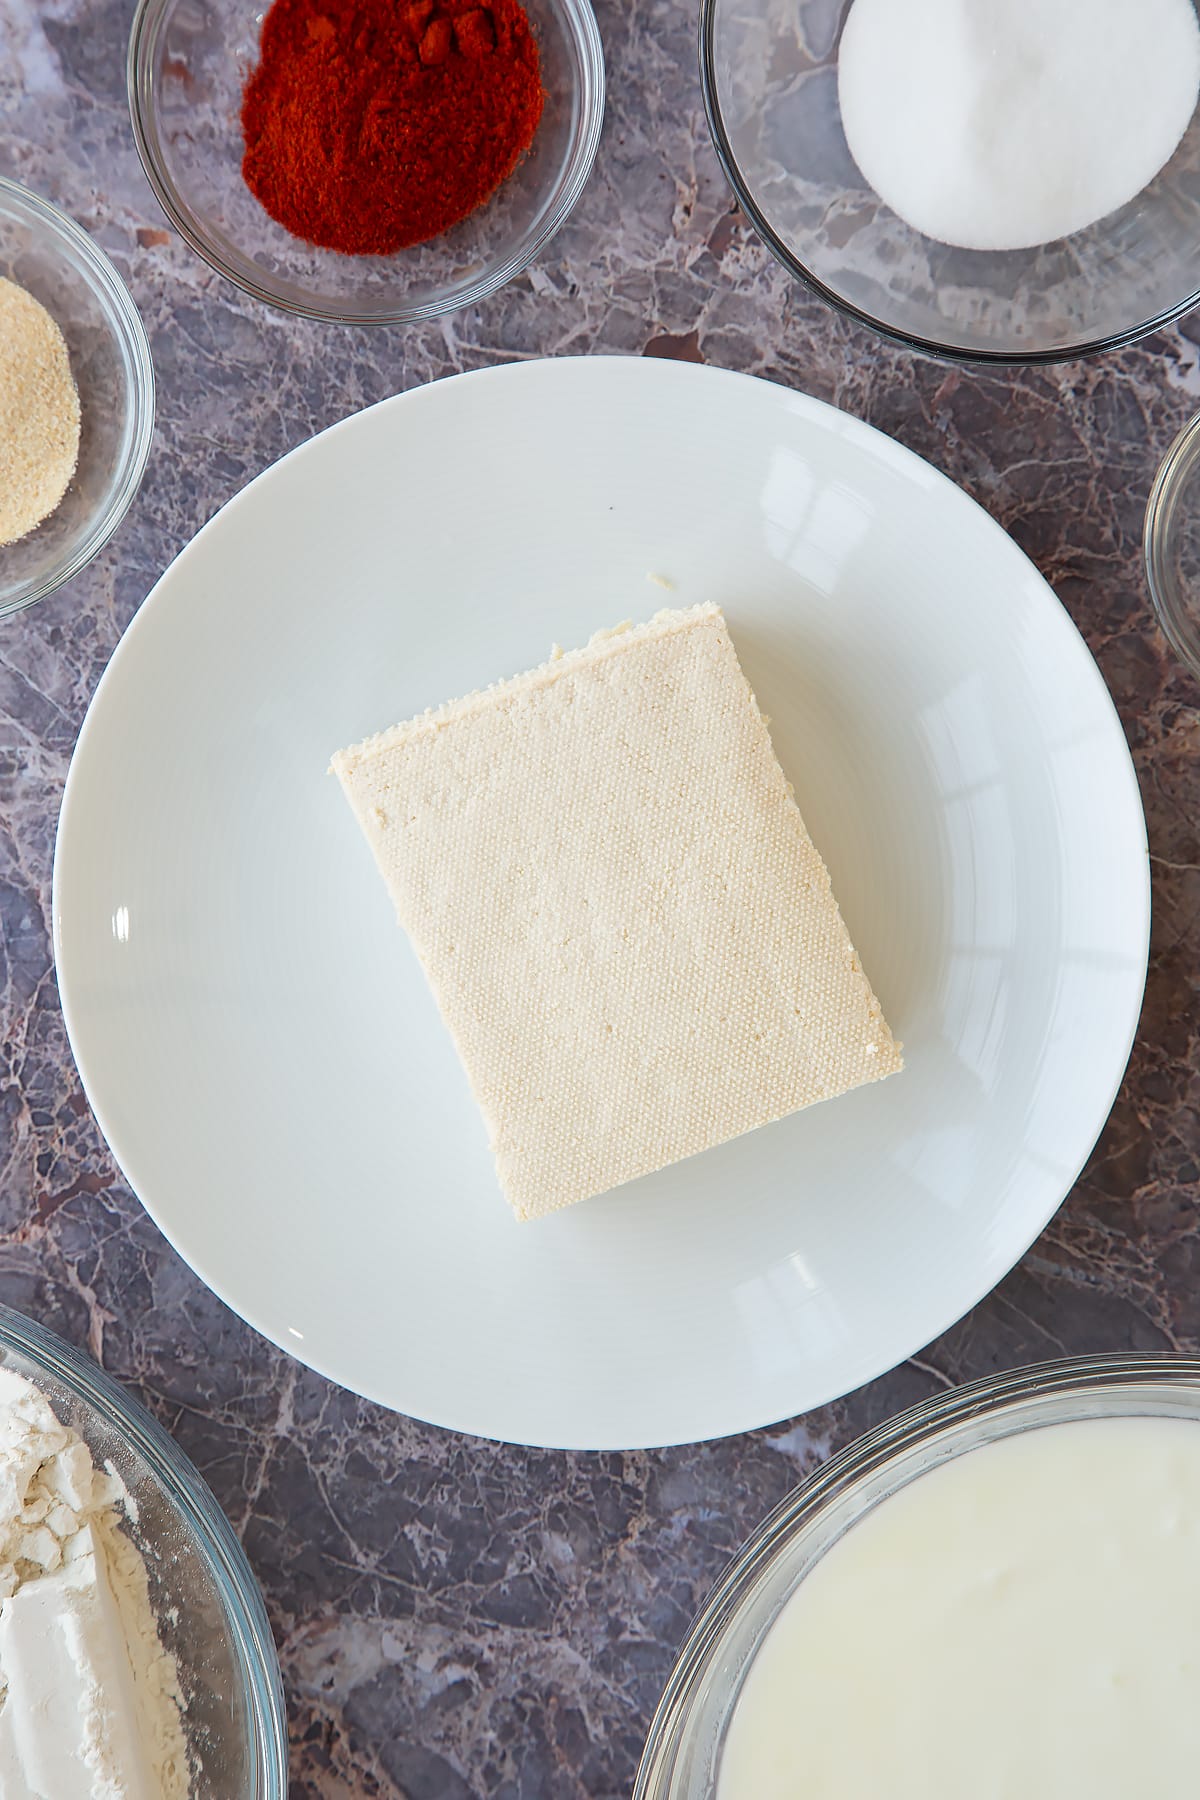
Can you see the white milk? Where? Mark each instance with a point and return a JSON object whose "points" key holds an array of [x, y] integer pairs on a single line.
{"points": [[1000, 124], [1022, 1623]]}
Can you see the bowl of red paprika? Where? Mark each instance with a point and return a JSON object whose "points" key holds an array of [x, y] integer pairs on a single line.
{"points": [[367, 161]]}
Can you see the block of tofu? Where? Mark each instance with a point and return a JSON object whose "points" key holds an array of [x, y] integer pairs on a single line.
{"points": [[627, 928]]}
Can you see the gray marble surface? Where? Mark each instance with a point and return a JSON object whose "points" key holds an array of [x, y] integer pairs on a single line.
{"points": [[457, 1618]]}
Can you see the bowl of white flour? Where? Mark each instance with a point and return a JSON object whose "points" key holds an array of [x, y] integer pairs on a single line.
{"points": [[992, 180], [136, 1660]]}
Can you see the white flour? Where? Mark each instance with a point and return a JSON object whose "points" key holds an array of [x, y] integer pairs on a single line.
{"points": [[89, 1699], [1001, 124]]}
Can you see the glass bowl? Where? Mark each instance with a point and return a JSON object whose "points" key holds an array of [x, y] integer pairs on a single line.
{"points": [[769, 73], [188, 64], [49, 255], [211, 1614], [1171, 544], [687, 1733]]}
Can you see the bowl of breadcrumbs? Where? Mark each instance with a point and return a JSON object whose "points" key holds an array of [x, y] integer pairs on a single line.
{"points": [[76, 398]]}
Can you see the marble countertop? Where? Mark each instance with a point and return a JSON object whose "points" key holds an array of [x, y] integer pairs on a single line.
{"points": [[457, 1618]]}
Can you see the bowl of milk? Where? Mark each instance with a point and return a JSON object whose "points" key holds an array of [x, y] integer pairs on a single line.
{"points": [[991, 180], [996, 1594]]}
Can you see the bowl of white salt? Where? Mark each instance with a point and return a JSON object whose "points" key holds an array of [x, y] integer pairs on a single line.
{"points": [[1002, 181], [76, 398]]}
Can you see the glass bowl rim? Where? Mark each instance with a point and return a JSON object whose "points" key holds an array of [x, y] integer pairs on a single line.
{"points": [[175, 1472], [1166, 595], [127, 324], [580, 22], [864, 1456], [908, 340]]}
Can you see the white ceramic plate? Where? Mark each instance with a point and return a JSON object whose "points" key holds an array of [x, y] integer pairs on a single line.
{"points": [[256, 1037]]}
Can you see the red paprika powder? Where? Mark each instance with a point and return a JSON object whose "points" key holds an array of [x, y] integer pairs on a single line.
{"points": [[372, 124]]}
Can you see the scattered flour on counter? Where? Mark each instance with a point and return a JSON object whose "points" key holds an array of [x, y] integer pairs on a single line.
{"points": [[1003, 124], [90, 1706]]}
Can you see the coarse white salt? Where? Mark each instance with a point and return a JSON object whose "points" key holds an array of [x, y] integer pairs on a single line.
{"points": [[1003, 124]]}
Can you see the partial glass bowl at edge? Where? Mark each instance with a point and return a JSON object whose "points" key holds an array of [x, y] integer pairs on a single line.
{"points": [[48, 254], [769, 74], [1172, 545], [210, 1610], [188, 64], [682, 1756]]}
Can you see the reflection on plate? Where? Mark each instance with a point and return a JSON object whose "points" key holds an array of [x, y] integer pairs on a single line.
{"points": [[256, 1037]]}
